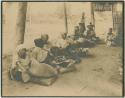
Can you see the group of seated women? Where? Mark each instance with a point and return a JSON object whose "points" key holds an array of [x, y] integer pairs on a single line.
{"points": [[44, 63]]}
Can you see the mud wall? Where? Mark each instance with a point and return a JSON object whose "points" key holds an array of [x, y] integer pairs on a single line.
{"points": [[103, 21], [46, 17], [49, 18], [42, 17]]}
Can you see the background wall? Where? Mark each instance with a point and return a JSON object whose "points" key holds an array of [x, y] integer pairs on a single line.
{"points": [[42, 17], [103, 21], [48, 17]]}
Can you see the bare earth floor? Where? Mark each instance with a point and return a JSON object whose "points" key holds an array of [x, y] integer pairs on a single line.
{"points": [[96, 75]]}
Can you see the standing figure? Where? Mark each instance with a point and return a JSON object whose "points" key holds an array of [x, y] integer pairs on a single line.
{"points": [[83, 18], [82, 25]]}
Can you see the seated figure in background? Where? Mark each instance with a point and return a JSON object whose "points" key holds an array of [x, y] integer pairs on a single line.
{"points": [[82, 29], [58, 57], [76, 33], [110, 38], [77, 36], [90, 32], [62, 41]]}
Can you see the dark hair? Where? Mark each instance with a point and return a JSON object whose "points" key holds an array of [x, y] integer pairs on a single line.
{"points": [[39, 43], [22, 53], [76, 26], [110, 28], [55, 50]]}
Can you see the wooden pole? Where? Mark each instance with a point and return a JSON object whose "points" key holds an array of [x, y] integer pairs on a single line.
{"points": [[92, 13], [65, 15], [20, 25], [114, 16]]}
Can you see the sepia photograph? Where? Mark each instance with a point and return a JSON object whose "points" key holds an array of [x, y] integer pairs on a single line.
{"points": [[62, 48]]}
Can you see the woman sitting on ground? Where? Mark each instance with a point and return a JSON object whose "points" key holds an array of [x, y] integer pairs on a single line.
{"points": [[27, 69]]}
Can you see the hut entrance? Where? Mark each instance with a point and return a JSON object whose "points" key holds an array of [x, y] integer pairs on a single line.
{"points": [[117, 22], [103, 18]]}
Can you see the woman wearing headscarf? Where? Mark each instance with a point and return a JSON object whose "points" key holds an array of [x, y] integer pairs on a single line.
{"points": [[27, 69]]}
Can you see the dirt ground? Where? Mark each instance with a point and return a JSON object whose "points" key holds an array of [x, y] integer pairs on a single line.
{"points": [[96, 75]]}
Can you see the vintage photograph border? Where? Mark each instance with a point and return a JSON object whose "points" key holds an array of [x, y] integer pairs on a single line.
{"points": [[63, 1]]}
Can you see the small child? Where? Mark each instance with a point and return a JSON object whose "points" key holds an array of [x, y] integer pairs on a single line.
{"points": [[110, 38]]}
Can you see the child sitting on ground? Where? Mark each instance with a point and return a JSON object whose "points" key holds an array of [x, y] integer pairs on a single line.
{"points": [[110, 38]]}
